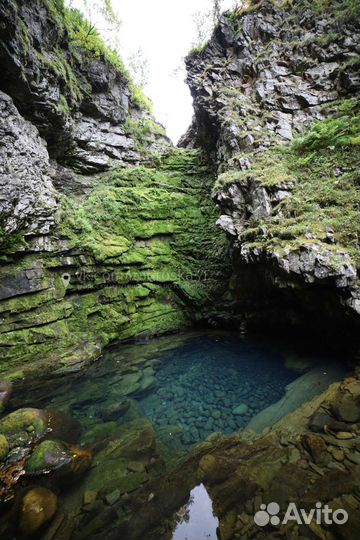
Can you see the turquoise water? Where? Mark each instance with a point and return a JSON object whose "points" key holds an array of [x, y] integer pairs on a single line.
{"points": [[189, 387], [202, 384]]}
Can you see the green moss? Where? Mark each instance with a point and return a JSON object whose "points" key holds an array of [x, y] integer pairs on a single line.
{"points": [[84, 35], [4, 447], [152, 258], [323, 165]]}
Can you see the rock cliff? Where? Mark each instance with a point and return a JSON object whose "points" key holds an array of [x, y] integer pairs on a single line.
{"points": [[275, 97], [106, 231]]}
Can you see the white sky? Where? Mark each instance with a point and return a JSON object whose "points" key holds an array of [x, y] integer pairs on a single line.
{"points": [[165, 31]]}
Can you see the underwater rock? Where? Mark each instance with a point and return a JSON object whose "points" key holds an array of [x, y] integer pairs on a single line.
{"points": [[38, 506], [147, 383], [50, 456], [115, 410], [4, 447], [241, 409], [62, 426], [24, 426], [101, 432], [89, 496], [6, 389]]}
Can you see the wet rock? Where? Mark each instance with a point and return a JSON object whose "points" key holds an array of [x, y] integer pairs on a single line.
{"points": [[148, 383], [48, 456], [99, 522], [136, 466], [38, 507], [67, 461], [24, 426], [101, 432], [321, 420], [115, 410], [62, 426], [89, 496], [6, 389], [347, 411], [113, 497], [316, 447], [337, 454], [344, 435]]}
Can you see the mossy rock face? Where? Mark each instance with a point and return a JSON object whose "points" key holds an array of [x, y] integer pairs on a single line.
{"points": [[23, 426], [147, 259], [4, 447]]}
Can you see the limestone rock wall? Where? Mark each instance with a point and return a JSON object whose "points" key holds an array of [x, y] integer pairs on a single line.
{"points": [[276, 96]]}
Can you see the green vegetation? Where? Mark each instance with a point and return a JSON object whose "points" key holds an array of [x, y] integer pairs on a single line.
{"points": [[325, 198], [83, 40], [141, 128], [146, 258], [85, 35]]}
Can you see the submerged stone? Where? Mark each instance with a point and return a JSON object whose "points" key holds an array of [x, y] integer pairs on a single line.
{"points": [[241, 409], [37, 508], [51, 456], [48, 456], [62, 426]]}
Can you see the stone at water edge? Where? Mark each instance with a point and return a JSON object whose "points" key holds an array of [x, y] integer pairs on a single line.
{"points": [[6, 389], [347, 411], [50, 456], [241, 409], [23, 426], [38, 506]]}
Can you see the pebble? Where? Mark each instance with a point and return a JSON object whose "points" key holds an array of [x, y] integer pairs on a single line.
{"points": [[89, 496], [343, 435]]}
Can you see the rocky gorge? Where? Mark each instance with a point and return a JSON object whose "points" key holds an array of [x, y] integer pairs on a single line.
{"points": [[108, 233]]}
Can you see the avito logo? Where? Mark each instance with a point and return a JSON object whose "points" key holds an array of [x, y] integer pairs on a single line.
{"points": [[320, 514]]}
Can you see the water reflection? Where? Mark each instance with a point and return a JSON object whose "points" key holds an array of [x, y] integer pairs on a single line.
{"points": [[196, 518]]}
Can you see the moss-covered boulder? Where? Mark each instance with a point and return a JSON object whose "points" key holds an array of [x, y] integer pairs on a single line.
{"points": [[50, 456], [24, 426]]}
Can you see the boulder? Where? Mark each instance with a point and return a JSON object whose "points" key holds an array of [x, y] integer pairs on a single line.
{"points": [[51, 456], [37, 508], [24, 426]]}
